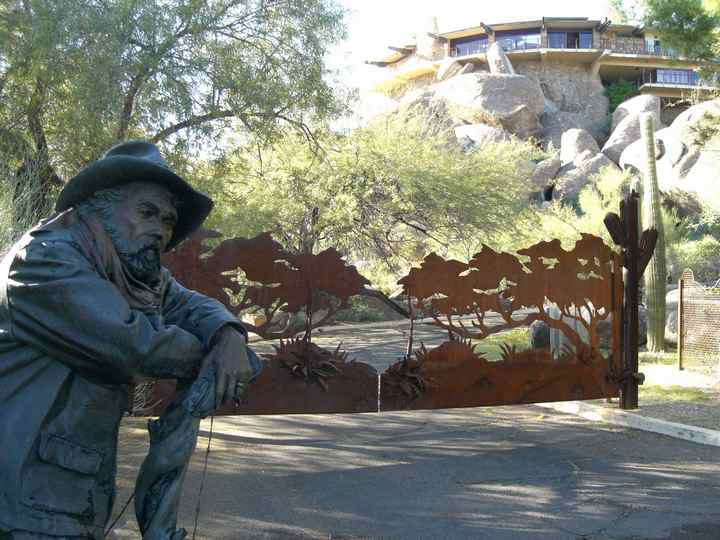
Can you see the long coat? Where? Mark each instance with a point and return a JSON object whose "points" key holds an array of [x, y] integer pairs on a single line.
{"points": [[69, 347]]}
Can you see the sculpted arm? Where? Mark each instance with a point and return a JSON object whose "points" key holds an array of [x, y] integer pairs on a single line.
{"points": [[61, 306], [221, 333], [196, 313]]}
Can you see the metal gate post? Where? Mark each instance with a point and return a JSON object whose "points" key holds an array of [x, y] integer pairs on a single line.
{"points": [[680, 324], [637, 251], [629, 395]]}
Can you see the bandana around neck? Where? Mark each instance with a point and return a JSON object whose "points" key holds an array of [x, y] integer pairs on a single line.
{"points": [[97, 246]]}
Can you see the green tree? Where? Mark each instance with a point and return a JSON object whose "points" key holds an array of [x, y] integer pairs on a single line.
{"points": [[567, 222], [685, 25], [384, 195], [626, 11], [78, 75]]}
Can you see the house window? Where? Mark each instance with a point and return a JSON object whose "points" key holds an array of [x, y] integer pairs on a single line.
{"points": [[469, 45], [518, 40], [652, 46], [570, 40], [677, 76], [557, 40]]}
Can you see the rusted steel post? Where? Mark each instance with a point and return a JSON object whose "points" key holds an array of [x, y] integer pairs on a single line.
{"points": [[680, 324], [629, 398]]}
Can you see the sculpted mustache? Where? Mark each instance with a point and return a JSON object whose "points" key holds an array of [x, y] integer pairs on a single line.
{"points": [[149, 247]]}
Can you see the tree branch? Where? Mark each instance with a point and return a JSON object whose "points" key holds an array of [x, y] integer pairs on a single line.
{"points": [[191, 122], [378, 295]]}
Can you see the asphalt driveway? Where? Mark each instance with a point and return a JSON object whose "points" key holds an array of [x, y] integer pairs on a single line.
{"points": [[497, 473]]}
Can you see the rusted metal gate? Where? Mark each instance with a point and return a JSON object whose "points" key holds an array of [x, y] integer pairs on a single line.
{"points": [[578, 293]]}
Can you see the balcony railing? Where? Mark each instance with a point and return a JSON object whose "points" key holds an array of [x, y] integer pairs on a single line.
{"points": [[635, 47], [679, 77], [464, 50], [521, 43], [527, 43]]}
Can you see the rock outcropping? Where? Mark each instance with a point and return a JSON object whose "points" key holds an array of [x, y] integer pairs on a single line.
{"points": [[563, 106], [627, 132], [512, 102], [684, 162], [498, 62], [635, 105], [574, 144], [480, 134]]}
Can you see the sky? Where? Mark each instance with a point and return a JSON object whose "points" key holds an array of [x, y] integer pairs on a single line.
{"points": [[375, 24]]}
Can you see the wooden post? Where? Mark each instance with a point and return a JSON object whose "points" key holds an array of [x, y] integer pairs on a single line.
{"points": [[680, 325]]}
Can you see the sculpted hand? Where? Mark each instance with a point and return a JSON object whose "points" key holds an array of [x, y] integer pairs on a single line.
{"points": [[229, 359]]}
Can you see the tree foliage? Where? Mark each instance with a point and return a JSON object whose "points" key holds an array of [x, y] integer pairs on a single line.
{"points": [[387, 193], [685, 25], [626, 11], [568, 222], [620, 91], [77, 76]]}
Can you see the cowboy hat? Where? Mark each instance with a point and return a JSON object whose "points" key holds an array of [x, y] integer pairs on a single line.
{"points": [[139, 161]]}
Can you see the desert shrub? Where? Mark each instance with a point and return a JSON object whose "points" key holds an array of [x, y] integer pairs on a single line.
{"points": [[360, 310], [701, 256], [706, 129], [22, 199], [620, 91], [567, 220]]}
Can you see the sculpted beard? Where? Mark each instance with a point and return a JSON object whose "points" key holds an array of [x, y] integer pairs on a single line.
{"points": [[141, 259]]}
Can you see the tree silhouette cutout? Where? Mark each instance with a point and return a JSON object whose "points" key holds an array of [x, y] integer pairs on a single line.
{"points": [[580, 282], [257, 273]]}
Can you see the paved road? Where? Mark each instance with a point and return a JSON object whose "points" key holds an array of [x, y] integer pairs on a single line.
{"points": [[379, 345], [500, 473]]}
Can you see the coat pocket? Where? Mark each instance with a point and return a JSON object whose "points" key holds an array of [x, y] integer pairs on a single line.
{"points": [[62, 479]]}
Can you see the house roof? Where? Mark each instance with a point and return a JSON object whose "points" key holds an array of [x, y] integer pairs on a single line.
{"points": [[559, 23], [399, 53]]}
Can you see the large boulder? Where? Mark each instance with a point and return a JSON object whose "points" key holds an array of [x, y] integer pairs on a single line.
{"points": [[550, 107], [555, 123], [669, 151], [574, 142], [635, 105], [685, 169], [539, 335], [497, 60], [626, 133], [572, 179], [467, 68], [545, 172], [702, 177], [448, 68], [480, 134], [513, 102], [425, 105], [687, 120], [575, 97]]}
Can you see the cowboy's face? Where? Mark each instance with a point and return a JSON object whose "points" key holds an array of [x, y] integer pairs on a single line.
{"points": [[147, 216], [141, 226]]}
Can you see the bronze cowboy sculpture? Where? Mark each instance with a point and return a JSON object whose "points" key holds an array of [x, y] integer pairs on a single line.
{"points": [[86, 309]]}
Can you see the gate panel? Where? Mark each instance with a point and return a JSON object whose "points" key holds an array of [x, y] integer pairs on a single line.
{"points": [[576, 294]]}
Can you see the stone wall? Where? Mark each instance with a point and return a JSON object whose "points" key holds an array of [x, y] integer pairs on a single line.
{"points": [[570, 86], [578, 98]]}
